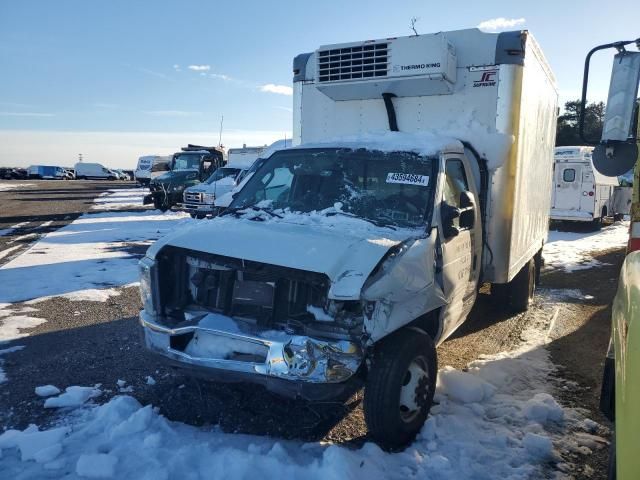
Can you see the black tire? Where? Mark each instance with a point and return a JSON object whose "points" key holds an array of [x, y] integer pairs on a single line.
{"points": [[618, 217], [160, 205], [193, 215], [522, 287], [608, 390], [611, 470], [391, 424]]}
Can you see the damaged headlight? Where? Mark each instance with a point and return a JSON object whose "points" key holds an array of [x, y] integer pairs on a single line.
{"points": [[346, 313], [145, 267]]}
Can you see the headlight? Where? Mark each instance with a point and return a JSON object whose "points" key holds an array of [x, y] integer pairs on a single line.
{"points": [[145, 265], [209, 198]]}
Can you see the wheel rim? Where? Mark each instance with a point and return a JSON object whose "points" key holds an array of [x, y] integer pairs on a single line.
{"points": [[414, 390]]}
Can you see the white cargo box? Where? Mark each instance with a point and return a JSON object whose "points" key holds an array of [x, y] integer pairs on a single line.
{"points": [[494, 92]]}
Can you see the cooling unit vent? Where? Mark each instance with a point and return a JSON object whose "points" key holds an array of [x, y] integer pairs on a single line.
{"points": [[362, 61]]}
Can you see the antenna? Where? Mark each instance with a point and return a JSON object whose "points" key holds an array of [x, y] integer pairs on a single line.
{"points": [[220, 138], [414, 20]]}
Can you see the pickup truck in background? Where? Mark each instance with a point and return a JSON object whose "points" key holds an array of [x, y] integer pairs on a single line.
{"points": [[190, 166]]}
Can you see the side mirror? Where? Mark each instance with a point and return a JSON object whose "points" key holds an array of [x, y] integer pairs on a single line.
{"points": [[467, 210], [449, 213], [616, 151]]}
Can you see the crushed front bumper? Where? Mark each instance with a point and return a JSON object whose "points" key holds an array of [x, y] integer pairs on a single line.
{"points": [[290, 365]]}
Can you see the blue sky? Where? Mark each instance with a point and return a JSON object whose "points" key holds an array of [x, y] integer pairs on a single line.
{"points": [[111, 79]]}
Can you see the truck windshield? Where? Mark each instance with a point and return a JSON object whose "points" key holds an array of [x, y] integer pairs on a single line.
{"points": [[186, 161], [389, 188], [221, 173]]}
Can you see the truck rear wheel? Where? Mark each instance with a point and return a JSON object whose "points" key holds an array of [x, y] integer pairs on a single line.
{"points": [[518, 293], [400, 387]]}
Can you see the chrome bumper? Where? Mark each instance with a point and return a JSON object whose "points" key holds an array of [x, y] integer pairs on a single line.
{"points": [[203, 208], [298, 361]]}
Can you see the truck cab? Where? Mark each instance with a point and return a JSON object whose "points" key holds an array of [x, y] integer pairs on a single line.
{"points": [[346, 259], [200, 200], [191, 166]]}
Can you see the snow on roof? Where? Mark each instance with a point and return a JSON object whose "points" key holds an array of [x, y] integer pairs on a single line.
{"points": [[492, 145]]}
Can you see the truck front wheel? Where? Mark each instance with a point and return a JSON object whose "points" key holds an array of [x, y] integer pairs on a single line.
{"points": [[400, 386], [158, 204]]}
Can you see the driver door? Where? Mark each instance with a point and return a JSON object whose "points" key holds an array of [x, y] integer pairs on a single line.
{"points": [[460, 242]]}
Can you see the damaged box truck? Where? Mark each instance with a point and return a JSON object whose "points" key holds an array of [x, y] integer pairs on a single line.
{"points": [[422, 170]]}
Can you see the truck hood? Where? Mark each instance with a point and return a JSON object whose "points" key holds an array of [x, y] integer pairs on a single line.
{"points": [[177, 176], [344, 249]]}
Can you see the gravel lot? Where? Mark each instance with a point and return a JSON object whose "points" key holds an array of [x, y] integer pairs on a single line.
{"points": [[86, 342]]}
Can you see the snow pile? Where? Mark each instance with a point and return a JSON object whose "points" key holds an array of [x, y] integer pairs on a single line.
{"points": [[120, 198], [93, 252], [575, 250], [73, 397], [12, 186], [47, 390]]}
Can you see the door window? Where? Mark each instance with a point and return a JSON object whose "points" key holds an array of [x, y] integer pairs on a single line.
{"points": [[569, 175], [455, 183]]}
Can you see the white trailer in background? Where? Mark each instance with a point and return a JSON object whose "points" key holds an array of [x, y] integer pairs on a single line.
{"points": [[422, 169], [580, 192], [151, 166]]}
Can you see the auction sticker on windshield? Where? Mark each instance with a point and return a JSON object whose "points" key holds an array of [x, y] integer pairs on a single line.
{"points": [[408, 179]]}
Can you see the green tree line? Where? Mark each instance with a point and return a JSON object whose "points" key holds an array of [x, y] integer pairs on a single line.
{"points": [[567, 129]]}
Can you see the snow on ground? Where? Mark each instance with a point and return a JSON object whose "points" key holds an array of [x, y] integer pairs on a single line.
{"points": [[13, 321], [12, 186], [93, 252], [118, 199], [12, 228], [575, 250], [498, 419]]}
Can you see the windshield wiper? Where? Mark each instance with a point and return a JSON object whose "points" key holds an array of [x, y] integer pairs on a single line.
{"points": [[377, 223], [255, 208]]}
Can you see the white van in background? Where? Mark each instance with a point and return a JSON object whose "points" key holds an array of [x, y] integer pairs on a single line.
{"points": [[151, 166], [94, 171], [580, 192]]}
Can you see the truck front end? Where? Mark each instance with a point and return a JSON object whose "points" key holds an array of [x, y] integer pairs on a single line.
{"points": [[274, 291]]}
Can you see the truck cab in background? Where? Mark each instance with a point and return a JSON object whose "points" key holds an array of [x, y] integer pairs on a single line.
{"points": [[199, 200], [190, 166], [415, 177]]}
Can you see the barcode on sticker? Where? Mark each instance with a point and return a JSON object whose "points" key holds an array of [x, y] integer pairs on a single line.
{"points": [[408, 179]]}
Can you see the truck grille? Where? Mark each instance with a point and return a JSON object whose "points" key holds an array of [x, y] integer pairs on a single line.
{"points": [[193, 197], [363, 61]]}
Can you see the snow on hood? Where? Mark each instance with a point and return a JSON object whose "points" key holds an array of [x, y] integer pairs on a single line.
{"points": [[345, 249]]}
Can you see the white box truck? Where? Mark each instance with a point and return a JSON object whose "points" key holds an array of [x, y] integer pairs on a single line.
{"points": [[581, 193], [199, 200], [422, 169]]}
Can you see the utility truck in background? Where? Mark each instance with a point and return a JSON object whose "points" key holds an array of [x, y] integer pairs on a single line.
{"points": [[581, 193], [47, 172], [199, 200], [422, 169], [190, 166]]}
